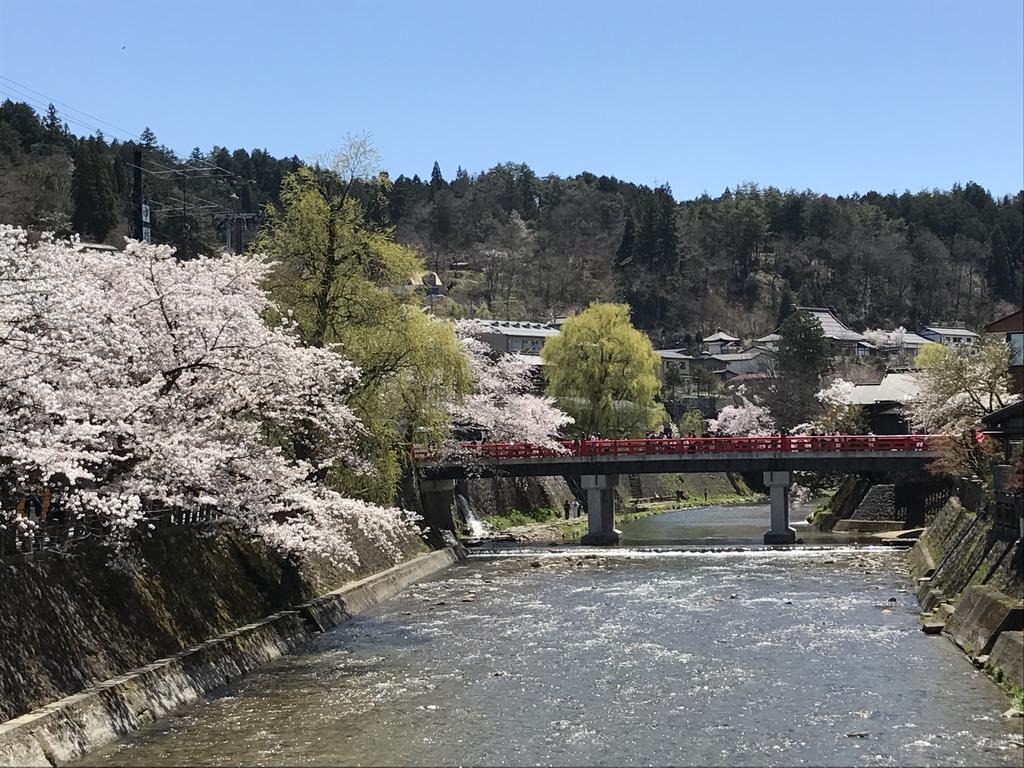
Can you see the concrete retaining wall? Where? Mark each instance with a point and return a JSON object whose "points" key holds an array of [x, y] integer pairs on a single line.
{"points": [[68, 728], [921, 562], [974, 582], [1006, 662], [981, 614]]}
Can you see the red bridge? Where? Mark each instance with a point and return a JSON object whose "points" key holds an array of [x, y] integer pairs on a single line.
{"points": [[687, 446], [598, 463]]}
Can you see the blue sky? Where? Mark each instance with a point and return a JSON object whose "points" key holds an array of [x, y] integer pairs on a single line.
{"points": [[835, 97]]}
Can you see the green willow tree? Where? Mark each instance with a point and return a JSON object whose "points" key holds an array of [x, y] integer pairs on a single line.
{"points": [[693, 423], [604, 373], [348, 285]]}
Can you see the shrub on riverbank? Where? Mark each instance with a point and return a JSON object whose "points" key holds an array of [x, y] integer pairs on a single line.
{"points": [[524, 517]]}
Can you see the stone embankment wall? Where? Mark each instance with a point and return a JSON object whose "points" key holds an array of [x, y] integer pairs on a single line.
{"points": [[68, 728], [685, 486], [502, 495], [67, 623], [862, 504], [971, 584]]}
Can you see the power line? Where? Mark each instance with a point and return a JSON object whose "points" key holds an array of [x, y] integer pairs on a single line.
{"points": [[15, 86], [19, 91], [68, 106]]}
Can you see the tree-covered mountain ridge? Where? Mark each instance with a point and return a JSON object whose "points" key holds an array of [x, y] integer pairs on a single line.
{"points": [[511, 244]]}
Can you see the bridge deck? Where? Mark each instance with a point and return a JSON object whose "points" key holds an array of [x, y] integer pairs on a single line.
{"points": [[812, 453]]}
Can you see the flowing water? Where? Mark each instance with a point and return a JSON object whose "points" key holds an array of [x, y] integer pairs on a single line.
{"points": [[476, 528], [805, 656], [717, 525]]}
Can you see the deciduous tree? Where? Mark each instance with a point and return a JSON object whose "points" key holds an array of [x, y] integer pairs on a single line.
{"points": [[133, 381], [604, 373], [502, 403], [960, 385]]}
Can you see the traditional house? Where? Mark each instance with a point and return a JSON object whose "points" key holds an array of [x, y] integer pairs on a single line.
{"points": [[1012, 328], [676, 374], [769, 343], [720, 342], [1007, 426], [885, 403], [517, 336], [951, 337], [753, 362], [842, 341], [910, 344]]}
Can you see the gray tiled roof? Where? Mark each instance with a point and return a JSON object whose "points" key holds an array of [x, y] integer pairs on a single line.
{"points": [[832, 326], [521, 328], [672, 354], [720, 336], [913, 340], [728, 357], [950, 331], [894, 388]]}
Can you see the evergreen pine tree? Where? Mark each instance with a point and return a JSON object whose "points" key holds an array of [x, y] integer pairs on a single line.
{"points": [[92, 191], [624, 254], [56, 131], [1000, 266], [437, 181]]}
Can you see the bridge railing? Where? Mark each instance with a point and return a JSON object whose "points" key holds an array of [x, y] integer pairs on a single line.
{"points": [[687, 446]]}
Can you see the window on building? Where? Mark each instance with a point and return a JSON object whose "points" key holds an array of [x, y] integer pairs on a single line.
{"points": [[525, 345], [1016, 342]]}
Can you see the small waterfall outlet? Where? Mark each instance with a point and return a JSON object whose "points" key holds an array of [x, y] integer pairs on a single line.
{"points": [[477, 528]]}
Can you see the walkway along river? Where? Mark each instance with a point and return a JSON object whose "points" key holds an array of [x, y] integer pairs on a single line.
{"points": [[623, 656]]}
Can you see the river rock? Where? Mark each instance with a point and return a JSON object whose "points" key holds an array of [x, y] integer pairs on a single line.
{"points": [[1013, 712], [535, 564], [857, 735]]}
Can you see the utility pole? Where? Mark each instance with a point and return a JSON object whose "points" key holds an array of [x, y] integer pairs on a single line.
{"points": [[184, 222], [140, 210]]}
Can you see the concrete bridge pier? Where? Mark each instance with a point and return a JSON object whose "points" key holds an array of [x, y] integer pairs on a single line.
{"points": [[778, 487], [438, 497], [600, 509]]}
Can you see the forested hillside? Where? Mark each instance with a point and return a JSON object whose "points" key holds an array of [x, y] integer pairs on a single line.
{"points": [[508, 243]]}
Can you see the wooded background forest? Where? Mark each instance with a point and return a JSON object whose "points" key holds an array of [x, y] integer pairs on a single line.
{"points": [[508, 243]]}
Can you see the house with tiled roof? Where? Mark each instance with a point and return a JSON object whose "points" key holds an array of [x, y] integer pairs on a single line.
{"points": [[841, 339], [950, 336], [720, 342], [520, 336]]}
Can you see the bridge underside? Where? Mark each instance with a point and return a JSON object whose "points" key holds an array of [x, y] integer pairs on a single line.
{"points": [[599, 476], [851, 462]]}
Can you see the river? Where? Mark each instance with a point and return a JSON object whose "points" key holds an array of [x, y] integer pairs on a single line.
{"points": [[575, 656]]}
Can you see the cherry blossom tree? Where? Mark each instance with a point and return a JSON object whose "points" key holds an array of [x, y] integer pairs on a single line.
{"points": [[882, 338], [502, 404], [841, 415], [746, 418], [956, 389], [960, 386], [132, 382], [838, 393]]}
